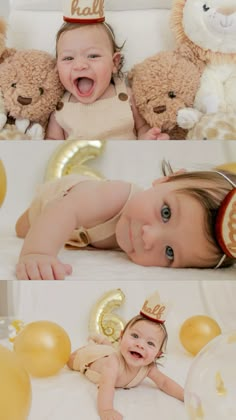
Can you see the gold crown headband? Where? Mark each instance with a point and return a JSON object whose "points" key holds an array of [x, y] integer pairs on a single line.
{"points": [[85, 11], [225, 226], [153, 309]]}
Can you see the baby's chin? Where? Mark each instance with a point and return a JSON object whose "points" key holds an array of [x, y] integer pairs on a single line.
{"points": [[123, 238]]}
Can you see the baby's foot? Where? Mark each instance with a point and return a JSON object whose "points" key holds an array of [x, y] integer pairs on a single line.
{"points": [[99, 339], [188, 117], [36, 132]]}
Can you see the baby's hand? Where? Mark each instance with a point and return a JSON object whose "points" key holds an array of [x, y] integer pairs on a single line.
{"points": [[155, 134], [110, 415], [41, 267]]}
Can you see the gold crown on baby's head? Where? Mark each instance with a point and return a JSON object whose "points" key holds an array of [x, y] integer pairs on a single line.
{"points": [[83, 11], [226, 224], [154, 309]]}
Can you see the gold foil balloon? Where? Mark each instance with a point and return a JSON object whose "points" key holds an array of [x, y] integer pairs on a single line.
{"points": [[197, 331], [3, 183], [15, 387], [102, 320], [230, 166], [71, 158], [43, 347]]}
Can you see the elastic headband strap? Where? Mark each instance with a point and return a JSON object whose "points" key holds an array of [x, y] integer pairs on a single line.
{"points": [[226, 177]]}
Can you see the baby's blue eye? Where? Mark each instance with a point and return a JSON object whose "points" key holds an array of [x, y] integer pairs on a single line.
{"points": [[67, 58], [150, 343], [134, 335], [93, 56], [169, 253], [165, 213]]}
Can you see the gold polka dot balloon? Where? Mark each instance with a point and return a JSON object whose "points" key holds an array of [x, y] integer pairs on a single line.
{"points": [[211, 382]]}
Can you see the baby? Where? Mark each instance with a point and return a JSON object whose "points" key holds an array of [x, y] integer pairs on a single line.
{"points": [[141, 344], [97, 103], [171, 224]]}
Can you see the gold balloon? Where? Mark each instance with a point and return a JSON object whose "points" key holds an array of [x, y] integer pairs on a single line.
{"points": [[230, 166], [102, 320], [197, 331], [71, 156], [3, 183], [43, 347], [15, 387]]}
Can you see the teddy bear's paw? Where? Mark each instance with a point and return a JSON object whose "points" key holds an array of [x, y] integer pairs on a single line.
{"points": [[210, 104], [188, 117], [22, 124], [3, 120], [36, 132]]}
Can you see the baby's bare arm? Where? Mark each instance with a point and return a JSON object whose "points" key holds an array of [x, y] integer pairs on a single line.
{"points": [[166, 384], [23, 225], [106, 390], [54, 131], [86, 204]]}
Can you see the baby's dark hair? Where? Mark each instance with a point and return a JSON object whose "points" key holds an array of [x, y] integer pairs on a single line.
{"points": [[161, 325], [210, 190], [67, 26]]}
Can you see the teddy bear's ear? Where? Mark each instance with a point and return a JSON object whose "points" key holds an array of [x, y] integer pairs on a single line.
{"points": [[3, 27], [7, 55]]}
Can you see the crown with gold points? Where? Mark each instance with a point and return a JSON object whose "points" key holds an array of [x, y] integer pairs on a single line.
{"points": [[154, 309], [225, 227], [83, 11]]}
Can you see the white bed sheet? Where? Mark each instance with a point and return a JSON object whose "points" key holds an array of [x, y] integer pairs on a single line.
{"points": [[68, 394], [137, 162]]}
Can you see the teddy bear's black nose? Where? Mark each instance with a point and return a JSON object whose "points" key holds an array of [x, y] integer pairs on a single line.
{"points": [[159, 109], [24, 101]]}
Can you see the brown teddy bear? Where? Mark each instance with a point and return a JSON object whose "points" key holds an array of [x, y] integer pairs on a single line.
{"points": [[31, 89], [162, 85], [4, 53]]}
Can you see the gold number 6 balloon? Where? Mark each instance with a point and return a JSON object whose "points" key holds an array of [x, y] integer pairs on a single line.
{"points": [[70, 158], [102, 320]]}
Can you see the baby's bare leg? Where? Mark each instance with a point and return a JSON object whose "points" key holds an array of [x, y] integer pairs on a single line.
{"points": [[71, 360], [23, 225]]}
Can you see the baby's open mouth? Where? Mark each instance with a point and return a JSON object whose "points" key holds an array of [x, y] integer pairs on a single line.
{"points": [[136, 355], [84, 86]]}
